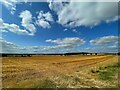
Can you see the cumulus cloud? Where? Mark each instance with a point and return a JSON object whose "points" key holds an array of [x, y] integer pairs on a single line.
{"points": [[46, 16], [65, 29], [43, 24], [1, 26], [27, 21], [106, 40], [73, 14], [74, 30], [70, 42], [107, 49], [44, 19], [5, 27], [7, 46], [11, 4], [60, 47]]}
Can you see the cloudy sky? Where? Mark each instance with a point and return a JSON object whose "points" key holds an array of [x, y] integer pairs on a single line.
{"points": [[58, 27]]}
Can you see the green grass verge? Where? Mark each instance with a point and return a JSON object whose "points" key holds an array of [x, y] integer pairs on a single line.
{"points": [[109, 72]]}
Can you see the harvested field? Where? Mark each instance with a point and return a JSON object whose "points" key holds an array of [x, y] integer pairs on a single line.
{"points": [[44, 71]]}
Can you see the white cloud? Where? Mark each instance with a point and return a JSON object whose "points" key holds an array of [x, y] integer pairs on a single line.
{"points": [[46, 16], [43, 23], [65, 29], [107, 49], [1, 26], [58, 49], [73, 14], [70, 42], [56, 6], [5, 27], [62, 47], [7, 46], [106, 40], [26, 17], [14, 28], [44, 19], [11, 4], [74, 30], [27, 21]]}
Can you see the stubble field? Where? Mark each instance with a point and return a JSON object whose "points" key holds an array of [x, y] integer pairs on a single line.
{"points": [[44, 71]]}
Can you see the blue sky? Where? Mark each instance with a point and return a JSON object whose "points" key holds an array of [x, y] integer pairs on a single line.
{"points": [[56, 27]]}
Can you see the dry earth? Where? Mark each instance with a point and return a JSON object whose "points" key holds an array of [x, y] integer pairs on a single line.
{"points": [[63, 71]]}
